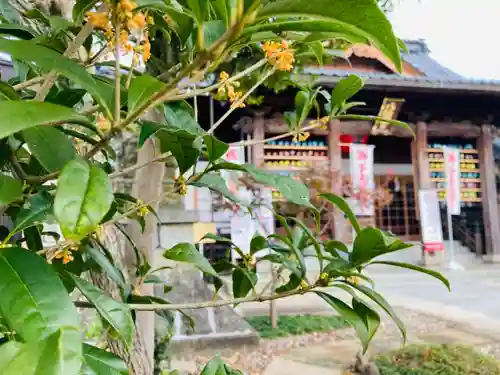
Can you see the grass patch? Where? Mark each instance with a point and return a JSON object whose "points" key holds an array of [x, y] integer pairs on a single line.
{"points": [[437, 360], [290, 325]]}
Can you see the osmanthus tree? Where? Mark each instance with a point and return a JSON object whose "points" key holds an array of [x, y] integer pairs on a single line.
{"points": [[58, 121]]}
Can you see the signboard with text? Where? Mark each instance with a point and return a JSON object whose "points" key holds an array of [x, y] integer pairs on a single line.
{"points": [[430, 220], [452, 173], [361, 165]]}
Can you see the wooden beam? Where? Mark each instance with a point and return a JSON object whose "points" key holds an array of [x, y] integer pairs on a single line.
{"points": [[449, 129], [489, 195], [424, 179]]}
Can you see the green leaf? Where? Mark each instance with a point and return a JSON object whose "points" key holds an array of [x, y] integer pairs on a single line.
{"points": [[376, 118], [413, 267], [188, 253], [34, 302], [107, 266], [244, 280], [141, 89], [178, 142], [350, 316], [303, 104], [67, 97], [258, 243], [9, 12], [332, 245], [52, 148], [181, 115], [343, 91], [216, 183], [115, 313], [199, 9], [380, 300], [215, 148], [101, 362], [18, 31], [361, 17], [212, 31], [11, 189], [318, 50], [372, 242], [344, 207], [34, 211], [7, 92], [47, 59], [84, 195], [294, 191], [61, 353], [370, 317], [19, 115], [214, 237]]}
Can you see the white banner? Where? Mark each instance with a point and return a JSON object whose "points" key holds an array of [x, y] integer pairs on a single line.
{"points": [[430, 220], [361, 165], [452, 173]]}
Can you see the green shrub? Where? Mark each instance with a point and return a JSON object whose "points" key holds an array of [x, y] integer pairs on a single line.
{"points": [[289, 325], [437, 360]]}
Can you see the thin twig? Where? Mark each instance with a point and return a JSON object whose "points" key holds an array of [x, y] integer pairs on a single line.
{"points": [[241, 100], [84, 33], [29, 83], [204, 304], [138, 166], [117, 74], [131, 71]]}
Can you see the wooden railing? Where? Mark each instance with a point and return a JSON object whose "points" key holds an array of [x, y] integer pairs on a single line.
{"points": [[472, 238]]}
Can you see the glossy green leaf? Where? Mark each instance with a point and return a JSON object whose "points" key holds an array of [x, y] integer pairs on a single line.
{"points": [[258, 243], [294, 191], [35, 211], [107, 266], [115, 313], [215, 148], [214, 237], [216, 183], [33, 297], [181, 115], [101, 362], [381, 301], [317, 48], [9, 12], [343, 91], [17, 31], [19, 115], [344, 207], [62, 353], [212, 31], [370, 317], [214, 367], [178, 142], [141, 89], [7, 92], [332, 246], [200, 9], [67, 97], [413, 267], [48, 60], [188, 253], [371, 243], [11, 189], [52, 148], [244, 280], [362, 17], [84, 195], [349, 315], [19, 358]]}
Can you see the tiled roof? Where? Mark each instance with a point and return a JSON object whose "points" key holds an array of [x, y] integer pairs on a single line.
{"points": [[434, 75]]}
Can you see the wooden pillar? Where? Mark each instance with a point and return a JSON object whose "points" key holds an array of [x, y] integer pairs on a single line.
{"points": [[424, 182], [489, 195], [335, 165], [258, 135]]}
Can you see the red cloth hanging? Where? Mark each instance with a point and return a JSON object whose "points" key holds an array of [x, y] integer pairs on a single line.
{"points": [[349, 138]]}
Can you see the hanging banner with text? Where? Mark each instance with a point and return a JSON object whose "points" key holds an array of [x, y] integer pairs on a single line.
{"points": [[361, 164], [452, 173], [430, 220]]}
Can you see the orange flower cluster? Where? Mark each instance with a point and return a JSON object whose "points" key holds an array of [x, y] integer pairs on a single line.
{"points": [[229, 89], [279, 55], [301, 136], [132, 22], [66, 254]]}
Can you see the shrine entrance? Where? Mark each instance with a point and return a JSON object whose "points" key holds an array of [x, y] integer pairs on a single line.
{"points": [[400, 215]]}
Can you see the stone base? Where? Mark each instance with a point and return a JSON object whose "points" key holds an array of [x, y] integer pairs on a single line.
{"points": [[435, 258], [186, 344], [491, 258]]}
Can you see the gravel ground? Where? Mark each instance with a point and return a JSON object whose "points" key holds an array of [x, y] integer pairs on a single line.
{"points": [[253, 360]]}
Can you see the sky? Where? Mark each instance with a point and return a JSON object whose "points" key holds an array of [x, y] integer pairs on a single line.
{"points": [[463, 35]]}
